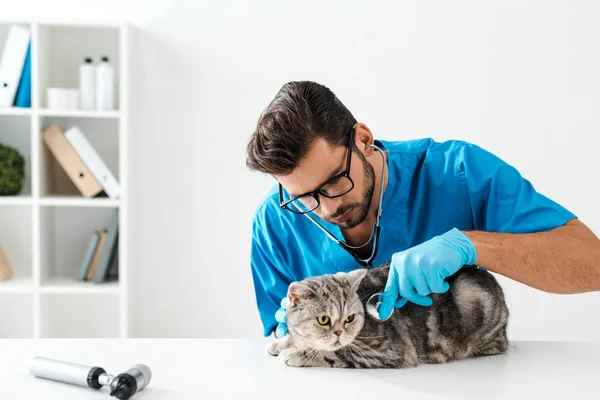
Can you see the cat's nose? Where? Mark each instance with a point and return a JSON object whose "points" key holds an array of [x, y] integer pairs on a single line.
{"points": [[338, 333]]}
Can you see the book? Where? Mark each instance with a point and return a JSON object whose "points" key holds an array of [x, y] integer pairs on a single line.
{"points": [[88, 256], [70, 161], [101, 273], [12, 62], [97, 253], [23, 96], [93, 161], [113, 269]]}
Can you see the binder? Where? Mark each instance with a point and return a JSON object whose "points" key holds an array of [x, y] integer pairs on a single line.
{"points": [[89, 255], [23, 96], [93, 161], [109, 250], [96, 258], [11, 63], [70, 162]]}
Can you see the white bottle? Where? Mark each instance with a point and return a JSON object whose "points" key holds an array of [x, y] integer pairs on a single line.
{"points": [[105, 77], [87, 84]]}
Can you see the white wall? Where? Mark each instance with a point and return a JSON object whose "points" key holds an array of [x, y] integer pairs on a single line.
{"points": [[517, 77]]}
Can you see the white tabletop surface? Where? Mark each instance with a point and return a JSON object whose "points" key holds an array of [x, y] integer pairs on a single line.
{"points": [[240, 369]]}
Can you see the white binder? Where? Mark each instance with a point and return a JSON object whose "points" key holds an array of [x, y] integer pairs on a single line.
{"points": [[93, 161], [11, 63]]}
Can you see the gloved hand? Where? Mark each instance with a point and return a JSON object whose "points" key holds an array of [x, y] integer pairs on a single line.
{"points": [[281, 317], [419, 271]]}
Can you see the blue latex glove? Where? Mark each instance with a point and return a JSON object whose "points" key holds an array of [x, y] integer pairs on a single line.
{"points": [[281, 317], [419, 271]]}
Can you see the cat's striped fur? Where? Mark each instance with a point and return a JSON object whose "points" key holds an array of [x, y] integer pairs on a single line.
{"points": [[470, 319]]}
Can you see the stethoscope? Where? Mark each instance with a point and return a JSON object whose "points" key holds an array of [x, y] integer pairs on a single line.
{"points": [[365, 262]]}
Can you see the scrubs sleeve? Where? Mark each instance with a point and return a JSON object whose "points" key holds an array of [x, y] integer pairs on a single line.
{"points": [[269, 275], [501, 199]]}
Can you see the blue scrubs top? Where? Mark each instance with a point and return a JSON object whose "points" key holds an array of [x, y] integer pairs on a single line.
{"points": [[432, 188]]}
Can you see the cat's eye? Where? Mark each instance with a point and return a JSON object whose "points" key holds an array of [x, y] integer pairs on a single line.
{"points": [[323, 320], [349, 319]]}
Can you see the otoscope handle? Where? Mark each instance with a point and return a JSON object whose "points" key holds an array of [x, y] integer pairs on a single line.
{"points": [[67, 372]]}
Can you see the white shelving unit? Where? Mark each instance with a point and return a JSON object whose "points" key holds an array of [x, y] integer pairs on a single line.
{"points": [[45, 229]]}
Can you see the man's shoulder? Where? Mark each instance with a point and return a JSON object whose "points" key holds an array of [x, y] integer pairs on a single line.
{"points": [[268, 213], [428, 148]]}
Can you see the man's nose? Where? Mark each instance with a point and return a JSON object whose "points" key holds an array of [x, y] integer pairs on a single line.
{"points": [[329, 206]]}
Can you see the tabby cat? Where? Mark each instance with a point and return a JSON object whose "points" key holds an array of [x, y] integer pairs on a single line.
{"points": [[328, 326]]}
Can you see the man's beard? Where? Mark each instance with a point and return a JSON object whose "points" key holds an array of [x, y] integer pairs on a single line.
{"points": [[361, 209]]}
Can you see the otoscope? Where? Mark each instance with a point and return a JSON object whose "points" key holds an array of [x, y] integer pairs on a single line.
{"points": [[122, 386]]}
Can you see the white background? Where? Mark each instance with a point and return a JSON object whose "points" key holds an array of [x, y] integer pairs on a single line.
{"points": [[519, 78]]}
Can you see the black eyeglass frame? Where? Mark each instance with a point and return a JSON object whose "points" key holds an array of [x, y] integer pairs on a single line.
{"points": [[315, 193]]}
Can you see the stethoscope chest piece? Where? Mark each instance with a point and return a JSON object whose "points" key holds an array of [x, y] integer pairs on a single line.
{"points": [[372, 307]]}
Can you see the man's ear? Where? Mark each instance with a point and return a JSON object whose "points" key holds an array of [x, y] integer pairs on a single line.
{"points": [[297, 292], [355, 277], [363, 137]]}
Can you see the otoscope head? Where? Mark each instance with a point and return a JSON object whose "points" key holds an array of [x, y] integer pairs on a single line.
{"points": [[130, 382]]}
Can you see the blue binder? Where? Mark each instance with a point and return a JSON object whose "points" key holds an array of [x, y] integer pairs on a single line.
{"points": [[23, 96]]}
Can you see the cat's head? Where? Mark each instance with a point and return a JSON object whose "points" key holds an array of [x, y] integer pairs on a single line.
{"points": [[325, 312]]}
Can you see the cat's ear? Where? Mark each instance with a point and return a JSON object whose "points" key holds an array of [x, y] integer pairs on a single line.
{"points": [[298, 291], [355, 277]]}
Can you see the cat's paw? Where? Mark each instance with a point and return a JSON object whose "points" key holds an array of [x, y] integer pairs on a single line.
{"points": [[272, 349], [301, 359], [277, 346], [293, 358]]}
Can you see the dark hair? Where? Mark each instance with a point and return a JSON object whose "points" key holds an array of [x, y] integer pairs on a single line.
{"points": [[300, 113]]}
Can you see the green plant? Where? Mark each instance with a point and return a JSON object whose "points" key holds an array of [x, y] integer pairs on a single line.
{"points": [[12, 170]]}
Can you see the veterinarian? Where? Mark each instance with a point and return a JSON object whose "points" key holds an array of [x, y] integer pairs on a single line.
{"points": [[441, 206]]}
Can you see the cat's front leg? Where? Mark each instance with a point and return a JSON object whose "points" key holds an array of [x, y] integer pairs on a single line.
{"points": [[294, 357], [277, 346]]}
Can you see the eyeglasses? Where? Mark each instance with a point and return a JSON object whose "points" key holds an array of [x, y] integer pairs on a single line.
{"points": [[333, 187]]}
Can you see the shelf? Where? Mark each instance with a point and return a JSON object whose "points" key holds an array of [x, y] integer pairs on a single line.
{"points": [[17, 284], [80, 23], [45, 112], [15, 111], [16, 200], [66, 201], [79, 113], [45, 229], [59, 201], [68, 285]]}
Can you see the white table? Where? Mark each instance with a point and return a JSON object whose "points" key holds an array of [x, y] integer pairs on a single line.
{"points": [[239, 369]]}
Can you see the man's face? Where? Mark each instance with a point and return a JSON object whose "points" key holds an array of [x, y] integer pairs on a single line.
{"points": [[323, 162]]}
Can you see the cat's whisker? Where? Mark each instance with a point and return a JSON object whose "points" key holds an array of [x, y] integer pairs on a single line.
{"points": [[359, 349], [364, 355], [315, 354], [366, 358], [359, 352], [307, 355], [367, 346], [349, 347]]}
